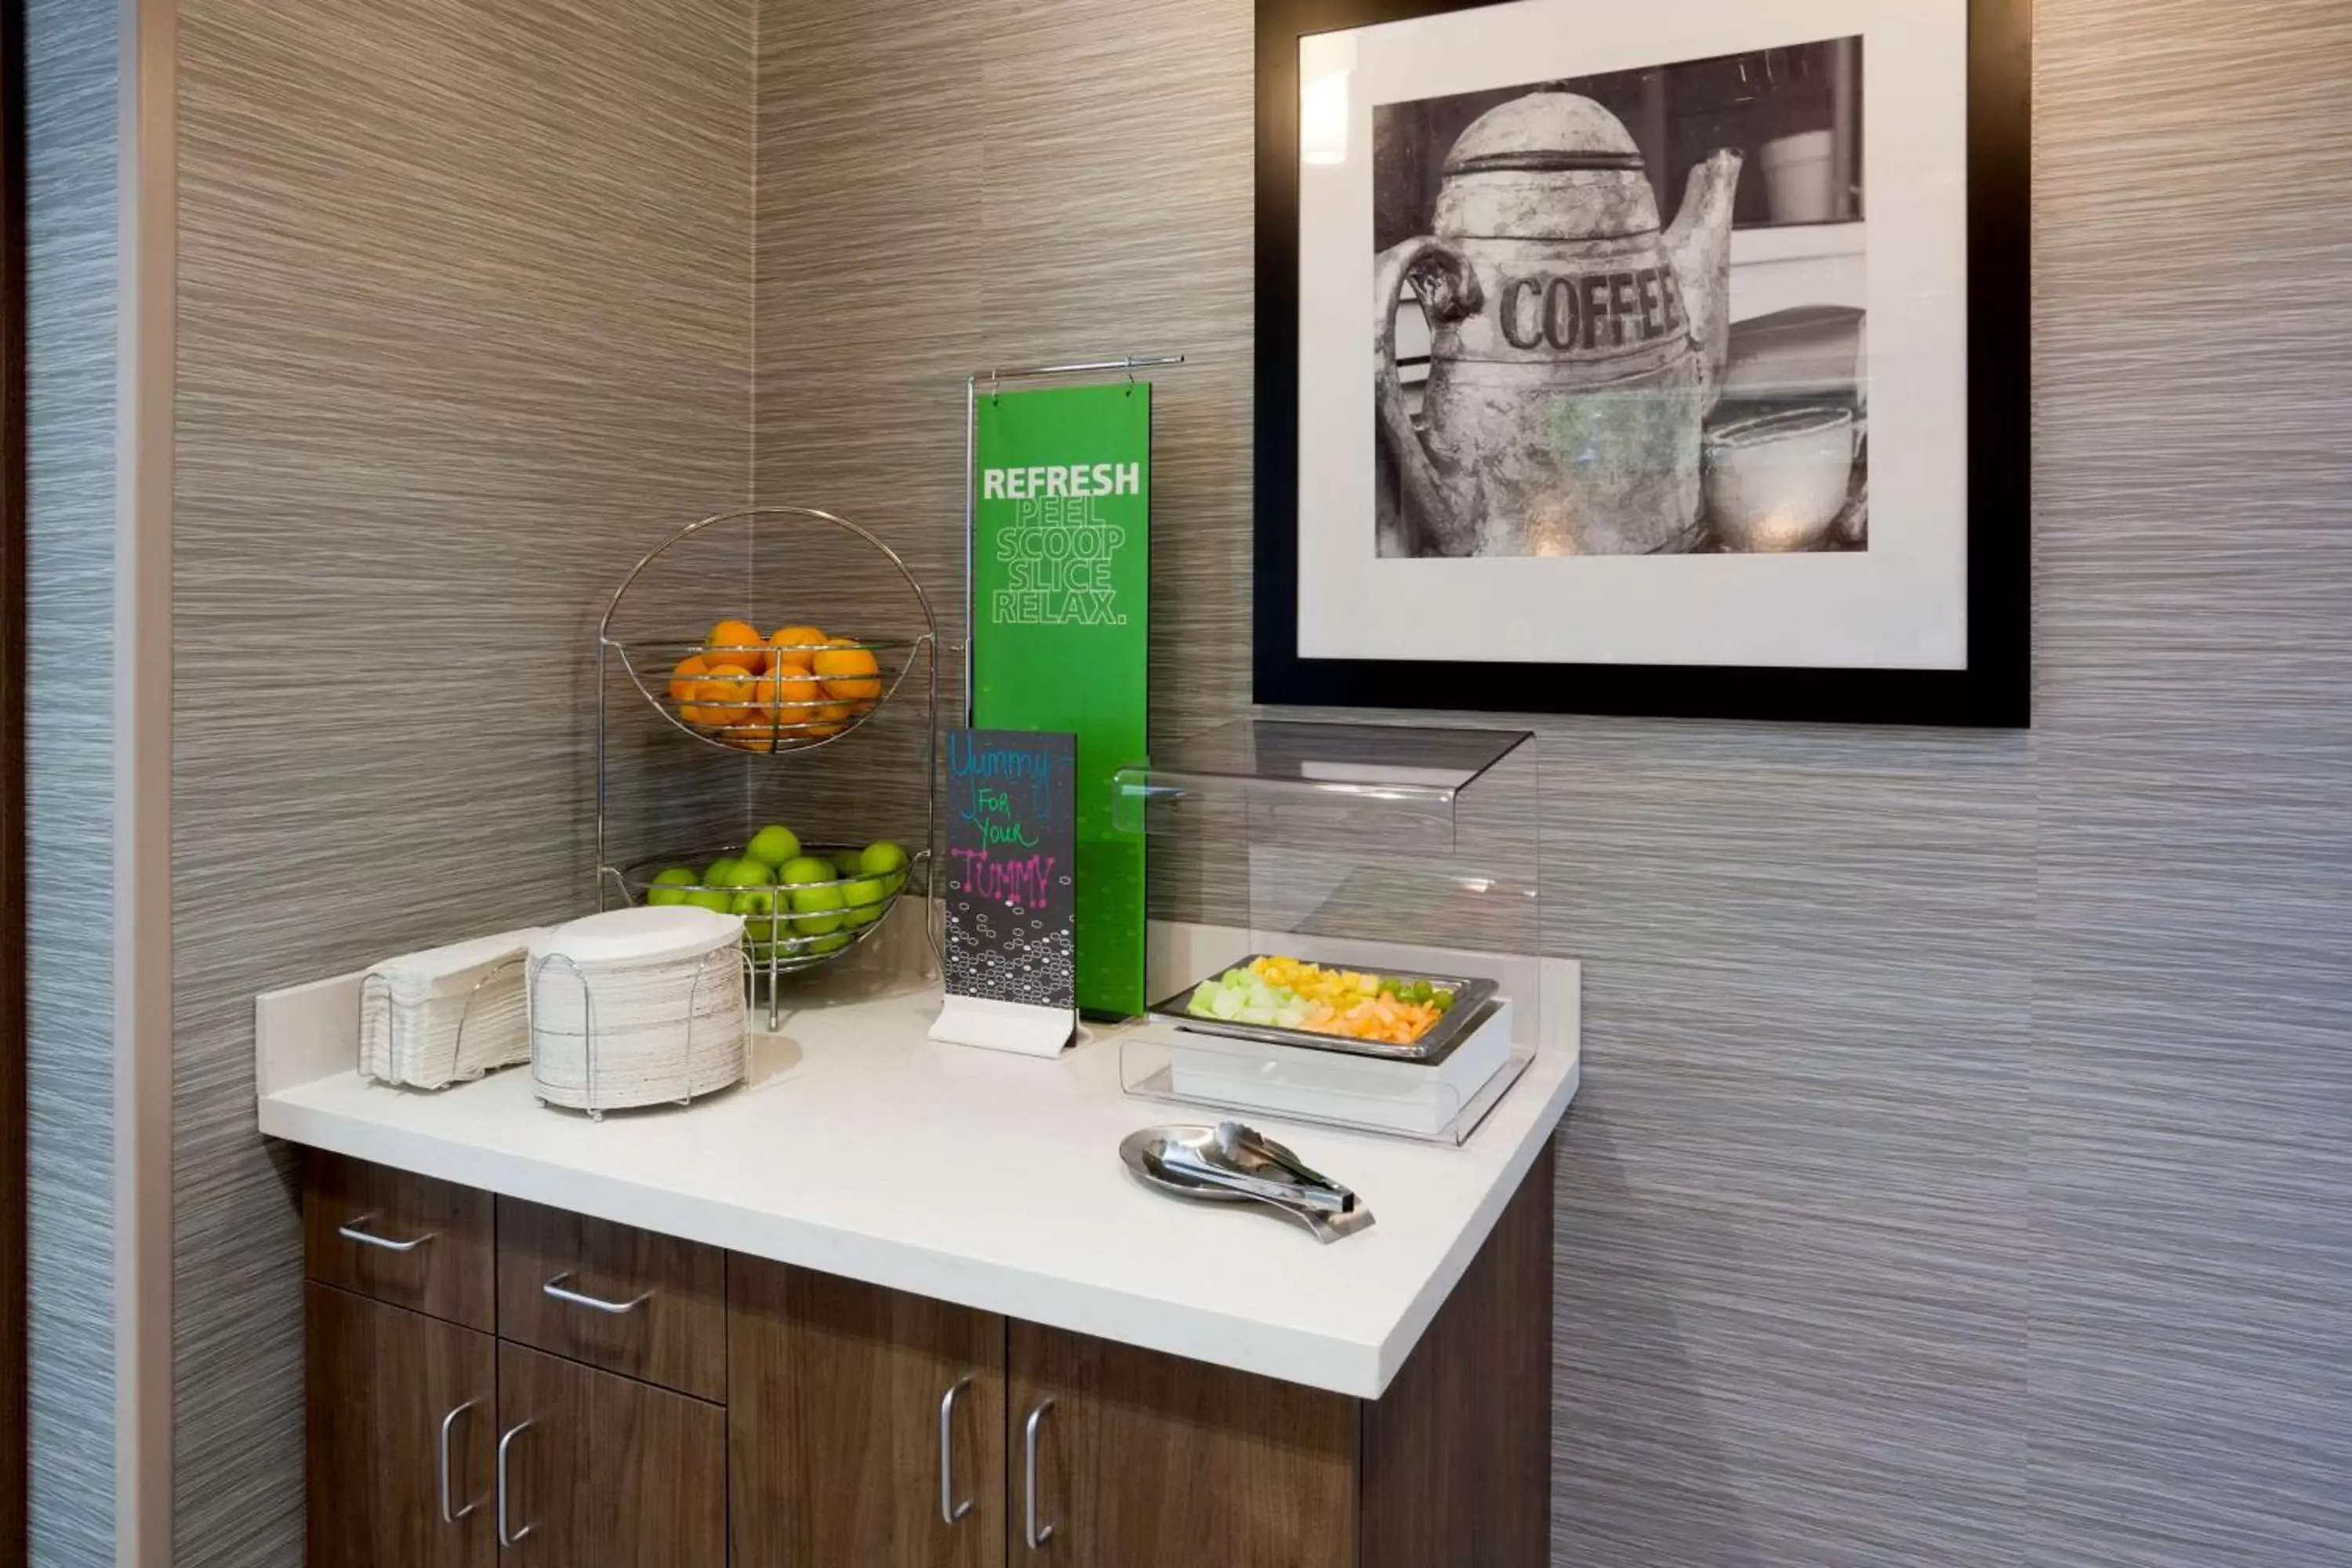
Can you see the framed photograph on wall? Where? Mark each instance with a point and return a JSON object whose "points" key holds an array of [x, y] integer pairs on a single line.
{"points": [[1662, 359]]}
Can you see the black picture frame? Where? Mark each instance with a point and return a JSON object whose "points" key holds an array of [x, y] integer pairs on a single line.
{"points": [[1994, 691]]}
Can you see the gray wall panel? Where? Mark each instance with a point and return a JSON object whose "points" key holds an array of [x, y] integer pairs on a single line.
{"points": [[1898, 1043], [464, 323], [2192, 1194], [1959, 1178], [73, 51]]}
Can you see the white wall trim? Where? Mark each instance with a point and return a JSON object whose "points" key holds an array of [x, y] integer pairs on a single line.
{"points": [[143, 792]]}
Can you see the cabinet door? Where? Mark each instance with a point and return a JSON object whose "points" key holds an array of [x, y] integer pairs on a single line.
{"points": [[845, 1443], [396, 1402], [596, 1470], [1457, 1454], [1150, 1461]]}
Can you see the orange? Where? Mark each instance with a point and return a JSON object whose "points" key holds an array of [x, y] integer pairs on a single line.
{"points": [[795, 644], [725, 697], [750, 737], [791, 695], [686, 677], [738, 643], [849, 672]]}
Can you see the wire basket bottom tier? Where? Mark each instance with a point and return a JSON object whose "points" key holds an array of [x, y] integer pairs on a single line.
{"points": [[788, 927]]}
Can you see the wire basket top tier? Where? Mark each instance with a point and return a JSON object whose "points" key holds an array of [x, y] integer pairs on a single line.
{"points": [[828, 624]]}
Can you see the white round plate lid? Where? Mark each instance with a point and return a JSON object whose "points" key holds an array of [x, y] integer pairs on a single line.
{"points": [[643, 935]]}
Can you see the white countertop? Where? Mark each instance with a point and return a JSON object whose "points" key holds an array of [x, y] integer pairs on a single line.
{"points": [[861, 1148]]}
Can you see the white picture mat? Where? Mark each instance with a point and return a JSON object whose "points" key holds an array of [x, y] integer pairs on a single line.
{"points": [[1902, 604]]}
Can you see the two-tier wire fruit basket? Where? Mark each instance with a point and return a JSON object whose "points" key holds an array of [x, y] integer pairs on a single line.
{"points": [[763, 695]]}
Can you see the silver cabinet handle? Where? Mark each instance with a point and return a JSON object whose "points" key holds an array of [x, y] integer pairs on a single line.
{"points": [[509, 1539], [1037, 1534], [951, 1510], [355, 1231], [448, 1516], [554, 1287]]}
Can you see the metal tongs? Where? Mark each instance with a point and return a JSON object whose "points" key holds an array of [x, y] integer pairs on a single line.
{"points": [[1239, 1162]]}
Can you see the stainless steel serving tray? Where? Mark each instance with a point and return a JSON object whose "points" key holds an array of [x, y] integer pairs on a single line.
{"points": [[1470, 999]]}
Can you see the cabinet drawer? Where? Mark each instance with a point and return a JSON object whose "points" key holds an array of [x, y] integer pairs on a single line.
{"points": [[409, 1240], [648, 1306]]}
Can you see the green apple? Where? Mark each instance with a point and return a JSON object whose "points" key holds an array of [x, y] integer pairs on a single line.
{"points": [[758, 905], [881, 858], [714, 901], [717, 873], [806, 868], [666, 888], [817, 911], [773, 846], [864, 897], [746, 873], [831, 943]]}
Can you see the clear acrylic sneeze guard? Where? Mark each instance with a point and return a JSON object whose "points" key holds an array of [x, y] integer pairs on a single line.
{"points": [[1389, 849]]}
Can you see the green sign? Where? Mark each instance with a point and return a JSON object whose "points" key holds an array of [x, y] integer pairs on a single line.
{"points": [[1061, 607]]}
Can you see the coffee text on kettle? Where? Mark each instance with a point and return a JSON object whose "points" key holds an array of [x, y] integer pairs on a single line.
{"points": [[1592, 311]]}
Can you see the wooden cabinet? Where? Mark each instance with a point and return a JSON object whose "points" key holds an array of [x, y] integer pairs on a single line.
{"points": [[849, 1425], [596, 1470], [431, 1445], [1127, 1456], [1146, 1460], [401, 1416], [629, 1300], [1456, 1455], [866, 1426]]}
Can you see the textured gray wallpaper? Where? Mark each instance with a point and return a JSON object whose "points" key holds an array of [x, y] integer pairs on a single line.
{"points": [[72, 51], [2190, 1211], [463, 326], [1959, 1177]]}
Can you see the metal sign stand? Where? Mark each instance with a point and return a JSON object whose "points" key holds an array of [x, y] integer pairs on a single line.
{"points": [[1127, 365]]}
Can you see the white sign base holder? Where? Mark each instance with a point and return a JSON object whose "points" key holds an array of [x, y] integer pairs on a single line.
{"points": [[1022, 1027]]}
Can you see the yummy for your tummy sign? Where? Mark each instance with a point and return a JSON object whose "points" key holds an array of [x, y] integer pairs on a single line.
{"points": [[1011, 870]]}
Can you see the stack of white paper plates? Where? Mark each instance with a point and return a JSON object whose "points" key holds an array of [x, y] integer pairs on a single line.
{"points": [[448, 1015], [637, 1007]]}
